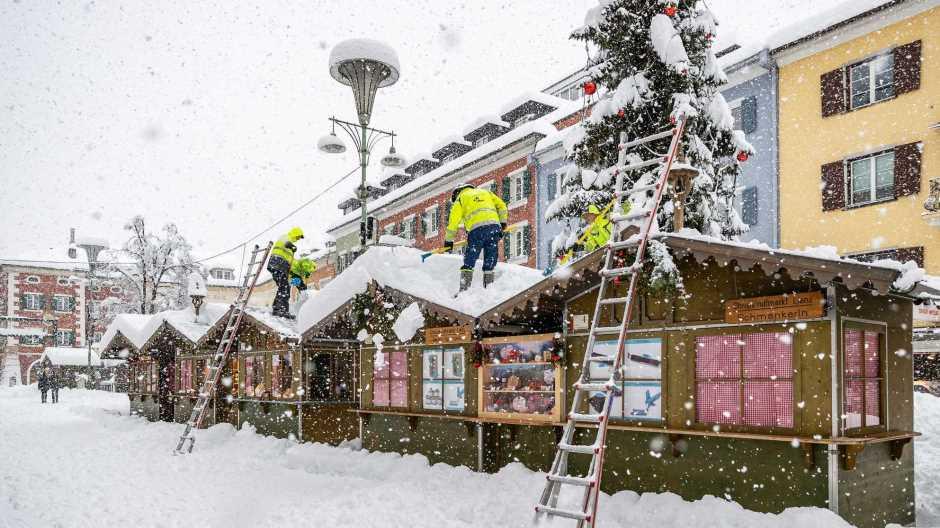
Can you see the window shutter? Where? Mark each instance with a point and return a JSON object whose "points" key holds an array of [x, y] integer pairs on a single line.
{"points": [[907, 169], [445, 213], [833, 186], [506, 246], [71, 304], [506, 189], [749, 206], [749, 114], [423, 227], [907, 60], [551, 185], [526, 240], [832, 85], [526, 183]]}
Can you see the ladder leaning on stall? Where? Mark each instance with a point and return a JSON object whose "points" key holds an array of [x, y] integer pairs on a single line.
{"points": [[558, 475], [223, 351]]}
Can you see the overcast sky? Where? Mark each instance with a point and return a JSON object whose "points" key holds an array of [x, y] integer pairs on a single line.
{"points": [[207, 114]]}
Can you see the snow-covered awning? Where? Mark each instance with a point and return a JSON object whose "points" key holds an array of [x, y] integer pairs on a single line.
{"points": [[138, 331], [75, 357], [432, 282]]}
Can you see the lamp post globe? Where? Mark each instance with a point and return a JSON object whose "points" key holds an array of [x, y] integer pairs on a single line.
{"points": [[365, 65]]}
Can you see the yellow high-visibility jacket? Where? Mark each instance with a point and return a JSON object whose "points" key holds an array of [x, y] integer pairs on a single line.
{"points": [[598, 233], [285, 246], [475, 208]]}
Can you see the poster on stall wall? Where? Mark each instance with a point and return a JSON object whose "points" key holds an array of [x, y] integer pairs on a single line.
{"points": [[453, 395], [642, 400], [432, 388], [596, 402], [642, 359], [453, 363]]}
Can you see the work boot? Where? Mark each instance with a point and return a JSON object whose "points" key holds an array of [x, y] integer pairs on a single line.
{"points": [[466, 278], [488, 278]]}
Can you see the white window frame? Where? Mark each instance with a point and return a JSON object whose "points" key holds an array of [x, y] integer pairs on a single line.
{"points": [[480, 141], [26, 301], [32, 279], [432, 219], [871, 85], [489, 185], [55, 303], [871, 161], [735, 105], [559, 179], [517, 251], [30, 340], [408, 223], [388, 229], [450, 157], [517, 187], [62, 281], [59, 337]]}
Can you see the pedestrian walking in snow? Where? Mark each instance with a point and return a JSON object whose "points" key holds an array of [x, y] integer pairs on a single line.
{"points": [[52, 381], [484, 215], [43, 383], [282, 258]]}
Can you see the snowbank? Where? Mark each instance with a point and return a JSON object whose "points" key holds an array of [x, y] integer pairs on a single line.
{"points": [[74, 478], [434, 280], [927, 459]]}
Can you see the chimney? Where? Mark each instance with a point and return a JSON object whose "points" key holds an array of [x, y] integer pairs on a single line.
{"points": [[73, 251]]}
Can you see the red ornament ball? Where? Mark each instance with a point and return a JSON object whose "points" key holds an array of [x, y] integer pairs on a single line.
{"points": [[670, 10], [742, 156], [672, 120], [590, 87]]}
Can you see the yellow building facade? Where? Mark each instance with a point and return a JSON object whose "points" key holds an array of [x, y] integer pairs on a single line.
{"points": [[859, 140]]}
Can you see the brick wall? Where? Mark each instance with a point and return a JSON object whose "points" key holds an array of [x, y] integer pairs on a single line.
{"points": [[516, 214]]}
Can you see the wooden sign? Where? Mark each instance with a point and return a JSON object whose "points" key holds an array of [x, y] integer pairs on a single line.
{"points": [[775, 308], [447, 334]]}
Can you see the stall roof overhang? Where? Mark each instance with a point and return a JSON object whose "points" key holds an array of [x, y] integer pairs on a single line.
{"points": [[260, 320], [118, 343], [583, 275]]}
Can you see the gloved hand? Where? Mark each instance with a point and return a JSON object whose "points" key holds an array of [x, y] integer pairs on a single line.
{"points": [[503, 226], [449, 246], [295, 281]]}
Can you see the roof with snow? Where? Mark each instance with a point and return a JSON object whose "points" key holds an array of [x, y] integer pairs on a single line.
{"points": [[541, 127], [75, 357], [139, 330], [433, 281]]}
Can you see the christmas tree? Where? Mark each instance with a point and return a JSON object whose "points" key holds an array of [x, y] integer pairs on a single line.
{"points": [[652, 63]]}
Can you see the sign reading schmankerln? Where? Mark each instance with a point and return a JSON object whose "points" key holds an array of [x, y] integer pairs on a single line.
{"points": [[788, 307]]}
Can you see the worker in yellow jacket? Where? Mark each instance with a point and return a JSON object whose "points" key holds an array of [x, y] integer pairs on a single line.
{"points": [[599, 228], [280, 263], [484, 215]]}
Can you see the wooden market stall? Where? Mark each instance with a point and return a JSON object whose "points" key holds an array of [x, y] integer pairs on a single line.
{"points": [[775, 378], [122, 340]]}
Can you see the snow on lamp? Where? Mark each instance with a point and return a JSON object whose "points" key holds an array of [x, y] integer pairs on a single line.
{"points": [[365, 65]]}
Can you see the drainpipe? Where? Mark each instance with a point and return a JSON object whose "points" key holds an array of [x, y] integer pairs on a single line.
{"points": [[767, 61], [833, 449]]}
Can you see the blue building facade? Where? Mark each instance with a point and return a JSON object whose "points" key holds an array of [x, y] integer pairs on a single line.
{"points": [[547, 161], [751, 93]]}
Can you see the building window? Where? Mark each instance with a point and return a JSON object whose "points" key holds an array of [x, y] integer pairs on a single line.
{"points": [[480, 141], [408, 228], [31, 340], [32, 279], [737, 116], [64, 338], [116, 290], [749, 206], [62, 281], [62, 303], [744, 379], [431, 221], [390, 379], [522, 120], [871, 178], [32, 301], [450, 157], [254, 376], [517, 194], [186, 376], [96, 338], [863, 379], [330, 377], [94, 309], [517, 246], [222, 273], [872, 80], [282, 375]]}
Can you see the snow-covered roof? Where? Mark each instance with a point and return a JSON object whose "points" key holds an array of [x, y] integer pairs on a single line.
{"points": [[542, 126], [287, 328], [434, 280], [130, 326], [820, 21], [75, 357], [139, 329]]}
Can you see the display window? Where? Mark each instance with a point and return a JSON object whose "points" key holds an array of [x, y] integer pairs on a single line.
{"points": [[520, 379], [254, 377], [186, 376], [639, 386], [390, 379], [863, 378], [282, 375], [443, 379]]}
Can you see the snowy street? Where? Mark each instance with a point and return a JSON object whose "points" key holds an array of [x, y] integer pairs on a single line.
{"points": [[85, 463]]}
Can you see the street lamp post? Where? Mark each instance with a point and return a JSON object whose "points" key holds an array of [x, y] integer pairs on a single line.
{"points": [[92, 249], [365, 66]]}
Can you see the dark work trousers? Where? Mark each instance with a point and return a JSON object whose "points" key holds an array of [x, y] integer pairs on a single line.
{"points": [[483, 239], [280, 272]]}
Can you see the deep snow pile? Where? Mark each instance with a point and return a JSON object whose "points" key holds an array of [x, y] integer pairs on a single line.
{"points": [[927, 459], [434, 280], [84, 462]]}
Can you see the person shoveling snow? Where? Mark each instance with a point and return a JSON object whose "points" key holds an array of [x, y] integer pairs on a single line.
{"points": [[484, 215]]}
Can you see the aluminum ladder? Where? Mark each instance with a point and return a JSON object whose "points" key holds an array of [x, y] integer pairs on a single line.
{"points": [[222, 352], [558, 475]]}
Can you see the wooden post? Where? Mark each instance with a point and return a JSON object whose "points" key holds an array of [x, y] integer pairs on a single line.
{"points": [[680, 180]]}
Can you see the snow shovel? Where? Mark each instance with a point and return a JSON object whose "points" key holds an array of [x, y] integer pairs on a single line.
{"points": [[438, 251]]}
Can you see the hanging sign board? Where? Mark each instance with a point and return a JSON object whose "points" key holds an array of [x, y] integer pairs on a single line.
{"points": [[775, 308], [927, 314], [444, 335]]}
